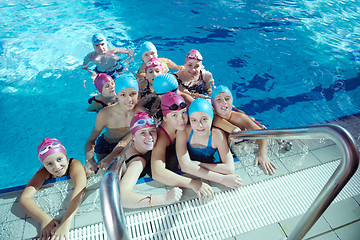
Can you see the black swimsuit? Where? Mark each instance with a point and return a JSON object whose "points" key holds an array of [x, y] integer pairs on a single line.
{"points": [[147, 168], [199, 88]]}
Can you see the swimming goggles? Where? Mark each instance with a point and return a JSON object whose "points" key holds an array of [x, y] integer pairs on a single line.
{"points": [[46, 148], [142, 122], [174, 106], [194, 56]]}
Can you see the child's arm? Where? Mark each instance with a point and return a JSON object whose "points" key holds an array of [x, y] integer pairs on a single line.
{"points": [[194, 168], [167, 177], [132, 199], [227, 165], [90, 163], [225, 125], [28, 205], [85, 66], [209, 82], [171, 64], [77, 174]]}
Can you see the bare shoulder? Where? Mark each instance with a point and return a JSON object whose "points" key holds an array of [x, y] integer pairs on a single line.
{"points": [[207, 75], [217, 133]]}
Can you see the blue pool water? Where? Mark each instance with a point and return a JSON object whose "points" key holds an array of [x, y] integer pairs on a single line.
{"points": [[289, 63]]}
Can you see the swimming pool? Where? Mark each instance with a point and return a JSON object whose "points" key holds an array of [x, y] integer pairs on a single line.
{"points": [[289, 63]]}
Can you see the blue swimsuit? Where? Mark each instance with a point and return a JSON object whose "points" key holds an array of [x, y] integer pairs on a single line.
{"points": [[205, 155]]}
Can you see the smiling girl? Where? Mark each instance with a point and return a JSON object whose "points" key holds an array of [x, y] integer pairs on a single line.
{"points": [[197, 144], [134, 162], [52, 155]]}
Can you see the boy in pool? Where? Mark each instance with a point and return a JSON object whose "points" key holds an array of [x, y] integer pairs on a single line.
{"points": [[197, 144], [134, 162], [222, 102], [148, 51], [106, 86], [115, 120], [106, 59], [52, 155]]}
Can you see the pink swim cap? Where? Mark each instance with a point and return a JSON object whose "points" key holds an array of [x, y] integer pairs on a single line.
{"points": [[193, 54], [171, 102], [49, 146], [153, 62], [141, 120], [100, 80]]}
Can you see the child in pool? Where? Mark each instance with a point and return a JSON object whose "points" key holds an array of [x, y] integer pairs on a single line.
{"points": [[134, 162], [106, 59], [194, 79], [148, 51], [163, 159], [115, 120], [148, 97], [222, 102], [197, 144], [52, 155], [106, 86]]}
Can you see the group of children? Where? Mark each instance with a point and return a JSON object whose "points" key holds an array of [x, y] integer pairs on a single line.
{"points": [[153, 123]]}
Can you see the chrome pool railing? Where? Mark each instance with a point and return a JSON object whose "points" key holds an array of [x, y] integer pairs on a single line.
{"points": [[346, 169], [110, 192], [111, 207]]}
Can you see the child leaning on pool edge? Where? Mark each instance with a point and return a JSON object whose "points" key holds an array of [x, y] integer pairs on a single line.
{"points": [[222, 102], [134, 162], [106, 59], [197, 144], [52, 155]]}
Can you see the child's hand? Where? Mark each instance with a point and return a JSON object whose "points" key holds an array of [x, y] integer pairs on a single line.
{"points": [[90, 167], [203, 191], [60, 232], [266, 163], [47, 227], [173, 195], [232, 181]]}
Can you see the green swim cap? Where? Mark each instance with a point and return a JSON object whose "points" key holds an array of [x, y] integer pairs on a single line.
{"points": [[125, 81], [201, 105]]}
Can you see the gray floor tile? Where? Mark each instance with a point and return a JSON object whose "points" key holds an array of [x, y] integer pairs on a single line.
{"points": [[343, 212], [349, 232], [325, 236], [327, 154], [271, 232], [7, 229]]}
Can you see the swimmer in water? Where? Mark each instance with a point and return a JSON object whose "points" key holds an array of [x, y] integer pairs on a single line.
{"points": [[148, 51], [106, 87], [222, 102], [197, 144], [163, 157], [115, 121], [107, 60], [134, 162], [194, 79], [52, 155]]}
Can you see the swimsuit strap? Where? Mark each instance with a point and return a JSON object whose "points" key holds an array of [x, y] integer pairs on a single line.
{"points": [[132, 157], [163, 129]]}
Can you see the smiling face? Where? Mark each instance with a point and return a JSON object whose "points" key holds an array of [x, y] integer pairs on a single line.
{"points": [[152, 72], [56, 164], [192, 67], [128, 98], [109, 89], [145, 139], [223, 104], [201, 123], [177, 119], [101, 47], [148, 55]]}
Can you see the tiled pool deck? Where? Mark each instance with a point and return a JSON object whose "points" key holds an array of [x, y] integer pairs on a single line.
{"points": [[340, 220]]}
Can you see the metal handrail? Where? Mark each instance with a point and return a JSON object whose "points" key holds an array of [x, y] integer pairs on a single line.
{"points": [[346, 169], [111, 206]]}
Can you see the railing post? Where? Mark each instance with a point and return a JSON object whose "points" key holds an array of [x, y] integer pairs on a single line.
{"points": [[111, 207]]}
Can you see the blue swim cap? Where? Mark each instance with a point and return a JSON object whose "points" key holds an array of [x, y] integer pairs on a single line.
{"points": [[125, 81], [164, 83], [201, 105], [220, 89], [146, 46], [97, 38]]}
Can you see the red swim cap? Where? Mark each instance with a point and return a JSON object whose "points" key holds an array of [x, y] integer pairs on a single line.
{"points": [[49, 146]]}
